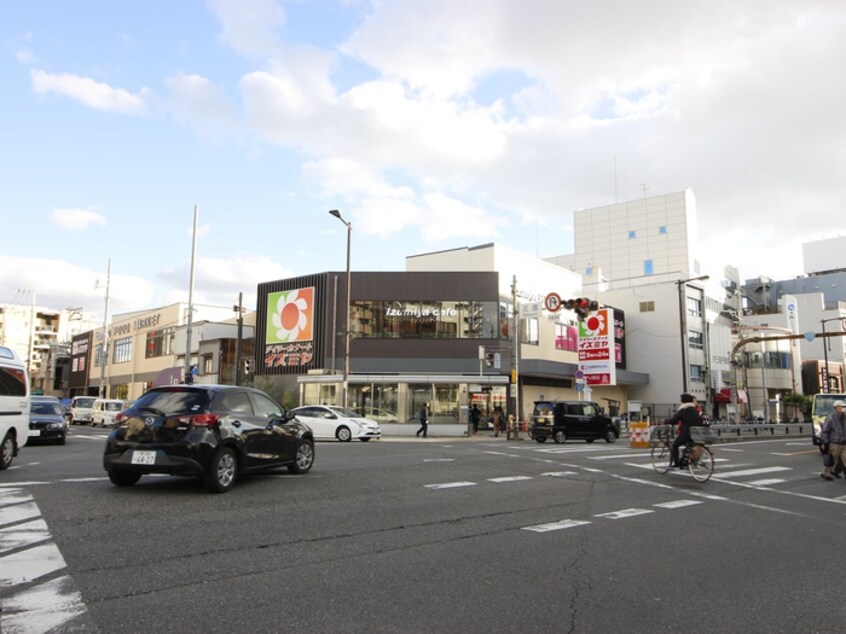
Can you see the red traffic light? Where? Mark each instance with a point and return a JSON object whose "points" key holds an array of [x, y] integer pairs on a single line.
{"points": [[581, 305]]}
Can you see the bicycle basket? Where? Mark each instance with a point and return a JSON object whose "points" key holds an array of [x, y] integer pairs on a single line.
{"points": [[659, 435], [703, 435]]}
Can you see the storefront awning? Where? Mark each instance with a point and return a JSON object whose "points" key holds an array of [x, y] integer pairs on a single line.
{"points": [[724, 396]]}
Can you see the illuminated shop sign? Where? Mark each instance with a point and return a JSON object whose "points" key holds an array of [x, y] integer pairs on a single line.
{"points": [[289, 337]]}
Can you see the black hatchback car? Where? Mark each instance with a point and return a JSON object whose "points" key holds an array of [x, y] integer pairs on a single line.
{"points": [[564, 420], [215, 432], [47, 420]]}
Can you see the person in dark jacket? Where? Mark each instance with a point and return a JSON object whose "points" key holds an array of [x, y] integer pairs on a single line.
{"points": [[687, 416], [423, 415], [833, 438], [475, 417]]}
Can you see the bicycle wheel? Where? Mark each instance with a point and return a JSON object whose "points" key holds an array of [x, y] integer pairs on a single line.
{"points": [[701, 463], [661, 459]]}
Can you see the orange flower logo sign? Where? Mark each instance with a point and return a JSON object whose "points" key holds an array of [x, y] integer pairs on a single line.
{"points": [[290, 316]]}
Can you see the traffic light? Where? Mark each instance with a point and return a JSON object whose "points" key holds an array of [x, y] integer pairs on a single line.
{"points": [[248, 366], [489, 359], [581, 305]]}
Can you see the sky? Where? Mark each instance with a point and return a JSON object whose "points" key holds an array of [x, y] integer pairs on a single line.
{"points": [[430, 125]]}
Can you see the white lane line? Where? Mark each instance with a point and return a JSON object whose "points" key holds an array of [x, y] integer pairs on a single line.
{"points": [[26, 565], [13, 496], [42, 608], [569, 450], [449, 485], [630, 456], [436, 460], [624, 513], [766, 482], [22, 484], [749, 472], [509, 479], [559, 474], [21, 535], [677, 504], [26, 511], [83, 479], [554, 526]]}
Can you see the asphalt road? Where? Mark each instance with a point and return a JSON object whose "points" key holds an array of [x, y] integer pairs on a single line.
{"points": [[437, 535]]}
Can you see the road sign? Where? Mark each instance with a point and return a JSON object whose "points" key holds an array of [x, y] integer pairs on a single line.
{"points": [[580, 374], [552, 302]]}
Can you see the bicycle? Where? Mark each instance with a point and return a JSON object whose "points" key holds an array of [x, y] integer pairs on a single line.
{"points": [[695, 455]]}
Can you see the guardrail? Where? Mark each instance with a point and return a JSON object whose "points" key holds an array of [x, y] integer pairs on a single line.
{"points": [[729, 432]]}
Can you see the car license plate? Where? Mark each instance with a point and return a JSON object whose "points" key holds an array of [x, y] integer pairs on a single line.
{"points": [[143, 457], [34, 432]]}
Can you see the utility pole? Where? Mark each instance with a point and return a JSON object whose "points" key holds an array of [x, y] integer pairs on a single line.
{"points": [[104, 356], [515, 361], [191, 299], [240, 310]]}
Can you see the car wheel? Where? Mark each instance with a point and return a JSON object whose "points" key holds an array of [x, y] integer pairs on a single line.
{"points": [[123, 478], [610, 436], [343, 434], [589, 440], [222, 471], [304, 458], [541, 438], [559, 436], [62, 440], [7, 451]]}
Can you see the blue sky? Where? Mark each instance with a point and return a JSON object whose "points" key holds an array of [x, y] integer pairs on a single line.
{"points": [[430, 124]]}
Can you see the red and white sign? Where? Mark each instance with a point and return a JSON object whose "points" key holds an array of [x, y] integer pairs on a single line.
{"points": [[596, 348]]}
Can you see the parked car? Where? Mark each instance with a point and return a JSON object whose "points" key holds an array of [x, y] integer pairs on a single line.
{"points": [[215, 432], [382, 416], [329, 421], [47, 421], [14, 405], [104, 411], [82, 409], [564, 420]]}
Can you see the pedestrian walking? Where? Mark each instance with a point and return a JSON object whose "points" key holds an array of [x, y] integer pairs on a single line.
{"points": [[475, 417], [497, 418], [423, 415], [833, 439]]}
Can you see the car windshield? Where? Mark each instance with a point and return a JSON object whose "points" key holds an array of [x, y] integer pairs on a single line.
{"points": [[174, 401], [345, 412], [46, 409], [113, 407], [84, 402]]}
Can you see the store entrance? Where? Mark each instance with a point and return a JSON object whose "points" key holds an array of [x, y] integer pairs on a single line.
{"points": [[487, 398]]}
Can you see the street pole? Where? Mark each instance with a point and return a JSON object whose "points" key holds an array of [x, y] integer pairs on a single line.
{"points": [[827, 384], [346, 386], [240, 335], [191, 299], [515, 361], [104, 356]]}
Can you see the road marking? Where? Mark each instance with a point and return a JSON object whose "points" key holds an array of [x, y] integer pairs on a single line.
{"points": [[28, 557], [630, 456], [449, 485], [559, 474], [554, 526], [677, 504], [21, 535], [509, 479], [766, 482], [618, 515], [748, 472], [439, 460]]}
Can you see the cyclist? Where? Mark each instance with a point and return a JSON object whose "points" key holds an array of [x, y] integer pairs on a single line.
{"points": [[687, 416]]}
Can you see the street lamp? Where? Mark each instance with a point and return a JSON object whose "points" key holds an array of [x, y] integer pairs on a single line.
{"points": [[346, 386], [825, 348], [31, 347], [682, 285]]}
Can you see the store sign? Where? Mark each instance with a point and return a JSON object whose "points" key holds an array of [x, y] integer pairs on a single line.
{"points": [[419, 312], [289, 338], [597, 354]]}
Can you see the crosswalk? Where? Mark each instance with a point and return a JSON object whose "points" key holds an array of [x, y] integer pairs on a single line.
{"points": [[36, 594]]}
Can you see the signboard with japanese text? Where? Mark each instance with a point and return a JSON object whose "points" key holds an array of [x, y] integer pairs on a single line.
{"points": [[597, 354], [290, 328]]}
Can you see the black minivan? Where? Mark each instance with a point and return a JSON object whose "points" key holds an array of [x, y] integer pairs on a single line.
{"points": [[565, 420], [215, 432]]}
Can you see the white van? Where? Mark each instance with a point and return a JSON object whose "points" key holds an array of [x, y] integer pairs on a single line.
{"points": [[105, 410], [82, 409], [14, 405]]}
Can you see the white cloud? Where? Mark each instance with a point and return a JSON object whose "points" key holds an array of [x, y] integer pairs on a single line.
{"points": [[250, 26], [91, 93], [77, 219], [202, 105]]}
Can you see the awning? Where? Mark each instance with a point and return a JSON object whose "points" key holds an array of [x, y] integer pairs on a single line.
{"points": [[170, 376], [724, 396]]}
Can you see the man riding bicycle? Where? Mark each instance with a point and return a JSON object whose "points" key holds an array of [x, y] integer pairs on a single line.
{"points": [[687, 416]]}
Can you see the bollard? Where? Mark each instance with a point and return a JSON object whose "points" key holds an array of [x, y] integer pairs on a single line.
{"points": [[640, 435]]}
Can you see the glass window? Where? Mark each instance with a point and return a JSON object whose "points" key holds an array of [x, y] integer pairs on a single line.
{"points": [[648, 268], [647, 307], [697, 374], [423, 319], [208, 364], [662, 229], [265, 407], [695, 339], [694, 307], [530, 330], [160, 342], [632, 235], [238, 403], [122, 350], [99, 357], [566, 337], [12, 382]]}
